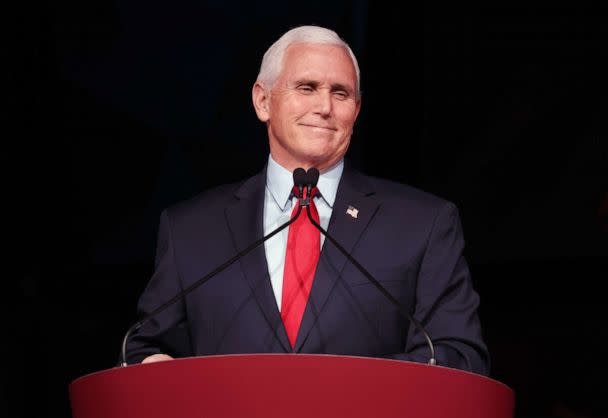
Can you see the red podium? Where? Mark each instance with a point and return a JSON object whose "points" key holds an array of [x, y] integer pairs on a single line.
{"points": [[288, 385]]}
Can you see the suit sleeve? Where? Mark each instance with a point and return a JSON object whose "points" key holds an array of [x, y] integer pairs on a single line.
{"points": [[167, 331], [446, 303]]}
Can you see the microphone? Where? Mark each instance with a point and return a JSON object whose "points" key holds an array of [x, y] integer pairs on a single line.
{"points": [[303, 178], [311, 179], [300, 180]]}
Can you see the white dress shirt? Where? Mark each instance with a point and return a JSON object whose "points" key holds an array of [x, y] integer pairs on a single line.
{"points": [[278, 205]]}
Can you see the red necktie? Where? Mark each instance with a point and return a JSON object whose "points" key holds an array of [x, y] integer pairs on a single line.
{"points": [[303, 248]]}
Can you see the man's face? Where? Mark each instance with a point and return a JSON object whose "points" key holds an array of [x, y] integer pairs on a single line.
{"points": [[312, 107]]}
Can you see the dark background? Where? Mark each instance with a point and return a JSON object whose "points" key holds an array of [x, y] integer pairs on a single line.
{"points": [[120, 108]]}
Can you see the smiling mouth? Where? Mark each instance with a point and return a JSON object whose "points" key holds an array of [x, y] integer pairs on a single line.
{"points": [[327, 128]]}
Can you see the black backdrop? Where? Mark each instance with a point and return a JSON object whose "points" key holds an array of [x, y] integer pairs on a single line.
{"points": [[120, 108]]}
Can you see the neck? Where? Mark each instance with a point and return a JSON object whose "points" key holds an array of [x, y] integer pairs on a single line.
{"points": [[291, 164]]}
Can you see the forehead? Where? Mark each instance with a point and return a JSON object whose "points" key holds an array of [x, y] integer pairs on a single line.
{"points": [[319, 62]]}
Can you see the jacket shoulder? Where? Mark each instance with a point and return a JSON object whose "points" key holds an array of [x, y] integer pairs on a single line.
{"points": [[395, 193], [213, 201]]}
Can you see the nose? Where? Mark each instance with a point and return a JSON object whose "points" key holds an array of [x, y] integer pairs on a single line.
{"points": [[324, 102]]}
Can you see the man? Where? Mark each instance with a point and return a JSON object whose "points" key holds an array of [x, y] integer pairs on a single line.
{"points": [[307, 93]]}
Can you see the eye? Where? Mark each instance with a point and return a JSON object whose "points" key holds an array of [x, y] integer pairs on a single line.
{"points": [[341, 94], [305, 88]]}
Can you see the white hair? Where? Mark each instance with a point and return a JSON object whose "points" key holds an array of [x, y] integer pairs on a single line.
{"points": [[272, 63]]}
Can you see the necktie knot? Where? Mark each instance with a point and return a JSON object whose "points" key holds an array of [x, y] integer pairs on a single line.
{"points": [[313, 193]]}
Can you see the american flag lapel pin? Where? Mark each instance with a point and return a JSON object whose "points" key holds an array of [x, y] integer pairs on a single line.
{"points": [[352, 211]]}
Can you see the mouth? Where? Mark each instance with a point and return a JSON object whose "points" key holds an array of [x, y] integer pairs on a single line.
{"points": [[325, 128]]}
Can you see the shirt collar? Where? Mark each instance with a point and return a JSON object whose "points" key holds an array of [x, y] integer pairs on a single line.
{"points": [[279, 182]]}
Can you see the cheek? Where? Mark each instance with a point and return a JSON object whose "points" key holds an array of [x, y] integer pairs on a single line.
{"points": [[298, 110], [347, 127], [347, 116]]}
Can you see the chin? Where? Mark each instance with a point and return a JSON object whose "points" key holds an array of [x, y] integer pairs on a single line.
{"points": [[316, 156]]}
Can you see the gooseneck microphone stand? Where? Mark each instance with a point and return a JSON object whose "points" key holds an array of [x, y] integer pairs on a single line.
{"points": [[299, 180], [312, 177]]}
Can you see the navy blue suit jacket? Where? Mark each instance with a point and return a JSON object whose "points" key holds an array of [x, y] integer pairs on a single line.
{"points": [[409, 240]]}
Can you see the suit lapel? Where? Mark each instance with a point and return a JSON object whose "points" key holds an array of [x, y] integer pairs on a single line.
{"points": [[245, 221], [356, 192]]}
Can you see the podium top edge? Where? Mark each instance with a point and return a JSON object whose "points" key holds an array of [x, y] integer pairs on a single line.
{"points": [[445, 369]]}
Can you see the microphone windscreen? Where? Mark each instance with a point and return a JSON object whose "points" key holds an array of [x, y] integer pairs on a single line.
{"points": [[312, 177], [299, 177]]}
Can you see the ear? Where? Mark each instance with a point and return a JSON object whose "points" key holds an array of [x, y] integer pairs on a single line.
{"points": [[261, 101]]}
